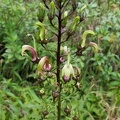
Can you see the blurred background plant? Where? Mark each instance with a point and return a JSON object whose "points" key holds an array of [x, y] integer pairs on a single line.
{"points": [[16, 21], [97, 91]]}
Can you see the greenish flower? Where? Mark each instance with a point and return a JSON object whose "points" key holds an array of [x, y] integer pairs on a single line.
{"points": [[67, 72]]}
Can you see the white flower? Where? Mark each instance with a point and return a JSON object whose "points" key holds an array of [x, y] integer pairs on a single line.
{"points": [[67, 72]]}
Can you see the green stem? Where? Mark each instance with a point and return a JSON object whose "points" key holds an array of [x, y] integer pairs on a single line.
{"points": [[68, 60]]}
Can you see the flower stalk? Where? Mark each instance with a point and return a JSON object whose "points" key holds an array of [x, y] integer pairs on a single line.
{"points": [[58, 61]]}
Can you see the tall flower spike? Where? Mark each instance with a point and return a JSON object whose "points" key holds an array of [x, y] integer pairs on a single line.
{"points": [[85, 35], [28, 47], [95, 46], [67, 72], [43, 65]]}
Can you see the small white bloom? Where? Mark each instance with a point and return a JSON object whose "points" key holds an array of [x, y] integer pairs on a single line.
{"points": [[67, 72]]}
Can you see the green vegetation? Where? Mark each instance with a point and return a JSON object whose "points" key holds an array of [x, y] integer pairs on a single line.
{"points": [[83, 34]]}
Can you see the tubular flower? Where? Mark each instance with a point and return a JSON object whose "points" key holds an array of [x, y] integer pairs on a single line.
{"points": [[67, 72], [31, 49], [43, 65], [95, 46], [84, 36]]}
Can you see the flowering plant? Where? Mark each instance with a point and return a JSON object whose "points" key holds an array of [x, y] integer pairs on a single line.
{"points": [[64, 69]]}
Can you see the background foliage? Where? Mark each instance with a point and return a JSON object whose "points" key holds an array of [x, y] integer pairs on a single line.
{"points": [[95, 98]]}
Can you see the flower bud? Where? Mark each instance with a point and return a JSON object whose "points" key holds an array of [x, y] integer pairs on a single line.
{"points": [[74, 24], [67, 111], [75, 118], [45, 113], [62, 59], [55, 95], [41, 13], [51, 13]]}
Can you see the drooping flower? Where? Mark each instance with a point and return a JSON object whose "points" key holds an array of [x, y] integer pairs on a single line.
{"points": [[67, 72], [95, 46], [84, 35], [43, 65], [31, 49]]}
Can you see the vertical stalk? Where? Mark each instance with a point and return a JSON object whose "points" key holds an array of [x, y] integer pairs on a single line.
{"points": [[58, 62]]}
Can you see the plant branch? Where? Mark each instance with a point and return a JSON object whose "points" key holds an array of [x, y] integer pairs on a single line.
{"points": [[52, 24], [45, 4], [67, 38], [65, 4]]}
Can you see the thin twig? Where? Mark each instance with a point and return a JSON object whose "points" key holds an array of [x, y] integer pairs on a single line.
{"points": [[45, 4], [53, 24], [64, 5]]}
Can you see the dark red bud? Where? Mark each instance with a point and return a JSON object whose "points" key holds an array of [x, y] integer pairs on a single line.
{"points": [[45, 113], [67, 111], [55, 95]]}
